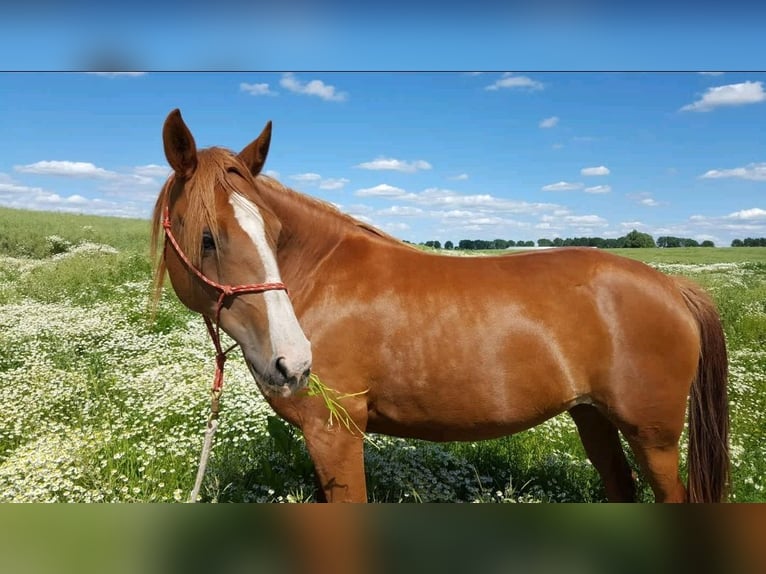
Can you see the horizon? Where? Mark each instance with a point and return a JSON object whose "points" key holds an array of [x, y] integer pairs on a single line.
{"points": [[423, 156]]}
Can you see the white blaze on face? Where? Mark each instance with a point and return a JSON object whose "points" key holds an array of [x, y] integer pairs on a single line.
{"points": [[287, 338]]}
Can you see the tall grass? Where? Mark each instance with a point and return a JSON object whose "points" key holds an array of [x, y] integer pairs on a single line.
{"points": [[28, 233], [101, 404]]}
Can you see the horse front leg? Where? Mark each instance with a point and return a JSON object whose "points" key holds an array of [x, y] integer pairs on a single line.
{"points": [[338, 456]]}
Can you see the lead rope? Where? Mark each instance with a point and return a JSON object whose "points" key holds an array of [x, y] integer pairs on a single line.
{"points": [[215, 335], [212, 426], [215, 401]]}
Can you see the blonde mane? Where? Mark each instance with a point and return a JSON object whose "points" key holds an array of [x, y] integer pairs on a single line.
{"points": [[213, 165], [313, 203], [212, 168]]}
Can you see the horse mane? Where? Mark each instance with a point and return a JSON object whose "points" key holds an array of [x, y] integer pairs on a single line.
{"points": [[213, 164], [313, 203]]}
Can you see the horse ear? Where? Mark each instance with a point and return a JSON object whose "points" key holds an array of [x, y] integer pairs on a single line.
{"points": [[254, 155], [180, 149]]}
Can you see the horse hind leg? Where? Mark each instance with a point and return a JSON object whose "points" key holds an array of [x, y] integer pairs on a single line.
{"points": [[658, 456], [602, 444]]}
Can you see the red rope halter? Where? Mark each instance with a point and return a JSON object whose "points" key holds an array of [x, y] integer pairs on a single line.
{"points": [[225, 291]]}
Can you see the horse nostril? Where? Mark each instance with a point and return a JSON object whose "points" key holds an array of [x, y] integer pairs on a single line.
{"points": [[282, 367], [307, 373]]}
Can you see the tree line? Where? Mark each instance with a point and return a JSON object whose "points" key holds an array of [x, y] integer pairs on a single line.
{"points": [[749, 242], [633, 239]]}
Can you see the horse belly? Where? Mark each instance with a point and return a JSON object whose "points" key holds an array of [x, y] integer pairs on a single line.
{"points": [[451, 388]]}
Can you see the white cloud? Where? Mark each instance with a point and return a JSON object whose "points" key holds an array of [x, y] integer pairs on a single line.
{"points": [[329, 183], [754, 214], [8, 186], [562, 186], [401, 210], [585, 220], [600, 170], [745, 222], [457, 214], [632, 224], [271, 173], [460, 177], [480, 204], [644, 198], [306, 177], [509, 81], [486, 220], [312, 88], [333, 183], [598, 189], [565, 224], [66, 168], [549, 122], [256, 89], [152, 170], [729, 95], [382, 190], [752, 171], [385, 163], [20, 196]]}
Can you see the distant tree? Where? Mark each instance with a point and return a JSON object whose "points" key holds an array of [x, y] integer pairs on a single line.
{"points": [[511, 243], [638, 239], [667, 241], [466, 244], [599, 242], [737, 243], [754, 242], [543, 242], [670, 241], [500, 244], [707, 243], [558, 242], [484, 244], [448, 245]]}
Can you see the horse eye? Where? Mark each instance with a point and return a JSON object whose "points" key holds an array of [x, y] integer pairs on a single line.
{"points": [[208, 244]]}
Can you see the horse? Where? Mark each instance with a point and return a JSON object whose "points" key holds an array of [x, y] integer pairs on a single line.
{"points": [[437, 347]]}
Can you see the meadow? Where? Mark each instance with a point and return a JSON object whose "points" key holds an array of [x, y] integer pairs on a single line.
{"points": [[101, 402]]}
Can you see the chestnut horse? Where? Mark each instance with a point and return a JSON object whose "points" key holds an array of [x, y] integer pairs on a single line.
{"points": [[444, 348]]}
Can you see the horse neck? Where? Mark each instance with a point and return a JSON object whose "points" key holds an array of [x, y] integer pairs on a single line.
{"points": [[309, 234]]}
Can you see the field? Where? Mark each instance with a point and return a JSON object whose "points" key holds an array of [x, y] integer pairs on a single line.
{"points": [[102, 403]]}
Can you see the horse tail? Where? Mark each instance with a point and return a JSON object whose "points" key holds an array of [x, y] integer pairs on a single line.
{"points": [[708, 458]]}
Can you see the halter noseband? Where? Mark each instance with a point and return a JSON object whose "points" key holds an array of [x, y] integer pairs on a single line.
{"points": [[224, 292]]}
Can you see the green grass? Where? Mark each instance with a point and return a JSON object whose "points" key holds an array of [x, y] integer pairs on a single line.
{"points": [[25, 233], [102, 404], [696, 255], [682, 255]]}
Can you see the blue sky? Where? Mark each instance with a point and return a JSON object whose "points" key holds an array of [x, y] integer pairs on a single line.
{"points": [[447, 156]]}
